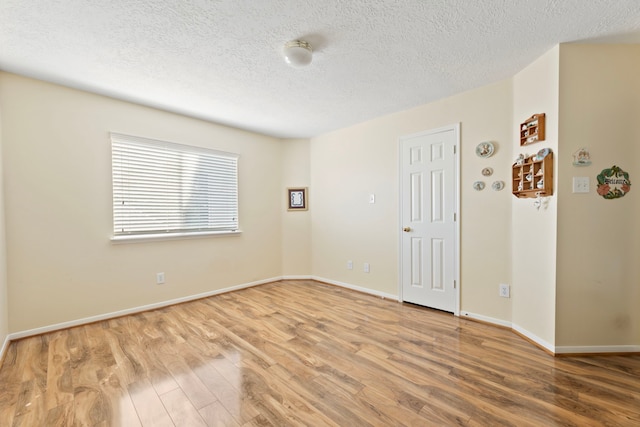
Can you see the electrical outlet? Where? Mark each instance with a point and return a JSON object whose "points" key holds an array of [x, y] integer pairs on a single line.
{"points": [[349, 265], [504, 290], [366, 267], [159, 278]]}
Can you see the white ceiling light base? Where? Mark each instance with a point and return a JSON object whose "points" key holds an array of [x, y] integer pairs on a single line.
{"points": [[298, 53]]}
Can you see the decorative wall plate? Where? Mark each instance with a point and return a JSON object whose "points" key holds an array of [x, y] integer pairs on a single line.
{"points": [[613, 183], [542, 153], [484, 149], [487, 172], [581, 157], [497, 185], [478, 185]]}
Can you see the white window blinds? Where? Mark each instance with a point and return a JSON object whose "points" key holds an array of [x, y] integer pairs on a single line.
{"points": [[161, 187]]}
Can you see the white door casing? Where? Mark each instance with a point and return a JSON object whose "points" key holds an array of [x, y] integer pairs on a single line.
{"points": [[429, 230]]}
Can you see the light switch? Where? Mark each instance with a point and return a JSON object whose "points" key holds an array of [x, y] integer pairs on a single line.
{"points": [[580, 184], [372, 198]]}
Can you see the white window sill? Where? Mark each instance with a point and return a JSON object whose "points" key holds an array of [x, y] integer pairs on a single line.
{"points": [[169, 236]]}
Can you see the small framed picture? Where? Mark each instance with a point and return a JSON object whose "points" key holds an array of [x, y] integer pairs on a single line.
{"points": [[297, 199]]}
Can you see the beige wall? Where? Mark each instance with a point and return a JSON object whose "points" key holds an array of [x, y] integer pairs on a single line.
{"points": [[62, 265], [598, 239], [535, 90], [349, 164], [4, 313], [296, 225]]}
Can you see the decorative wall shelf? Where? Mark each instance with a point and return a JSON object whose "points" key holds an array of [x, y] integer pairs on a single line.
{"points": [[533, 176], [532, 129]]}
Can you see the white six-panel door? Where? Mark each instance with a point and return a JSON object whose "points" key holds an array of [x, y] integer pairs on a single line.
{"points": [[429, 233]]}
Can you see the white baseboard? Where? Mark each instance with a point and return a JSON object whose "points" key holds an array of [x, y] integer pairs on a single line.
{"points": [[4, 347], [134, 310], [548, 346], [598, 349], [510, 325], [356, 288], [296, 277], [485, 319], [534, 338]]}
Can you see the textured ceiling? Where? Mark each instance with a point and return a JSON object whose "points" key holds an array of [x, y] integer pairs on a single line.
{"points": [[221, 60]]}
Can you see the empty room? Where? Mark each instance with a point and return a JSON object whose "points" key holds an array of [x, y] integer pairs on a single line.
{"points": [[319, 213]]}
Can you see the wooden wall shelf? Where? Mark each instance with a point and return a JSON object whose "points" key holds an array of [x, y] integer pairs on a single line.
{"points": [[532, 177], [532, 129]]}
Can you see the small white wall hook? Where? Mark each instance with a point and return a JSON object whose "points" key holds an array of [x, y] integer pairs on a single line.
{"points": [[540, 202]]}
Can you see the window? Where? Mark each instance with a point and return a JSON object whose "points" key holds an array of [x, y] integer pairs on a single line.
{"points": [[161, 188]]}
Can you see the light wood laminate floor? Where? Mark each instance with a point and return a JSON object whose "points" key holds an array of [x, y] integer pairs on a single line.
{"points": [[301, 353]]}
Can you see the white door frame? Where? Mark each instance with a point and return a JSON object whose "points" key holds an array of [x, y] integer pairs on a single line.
{"points": [[456, 128]]}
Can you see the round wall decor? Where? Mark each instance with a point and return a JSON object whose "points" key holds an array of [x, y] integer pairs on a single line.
{"points": [[485, 149], [613, 183]]}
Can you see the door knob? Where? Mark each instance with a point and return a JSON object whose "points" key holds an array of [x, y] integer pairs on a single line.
{"points": [[406, 229]]}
